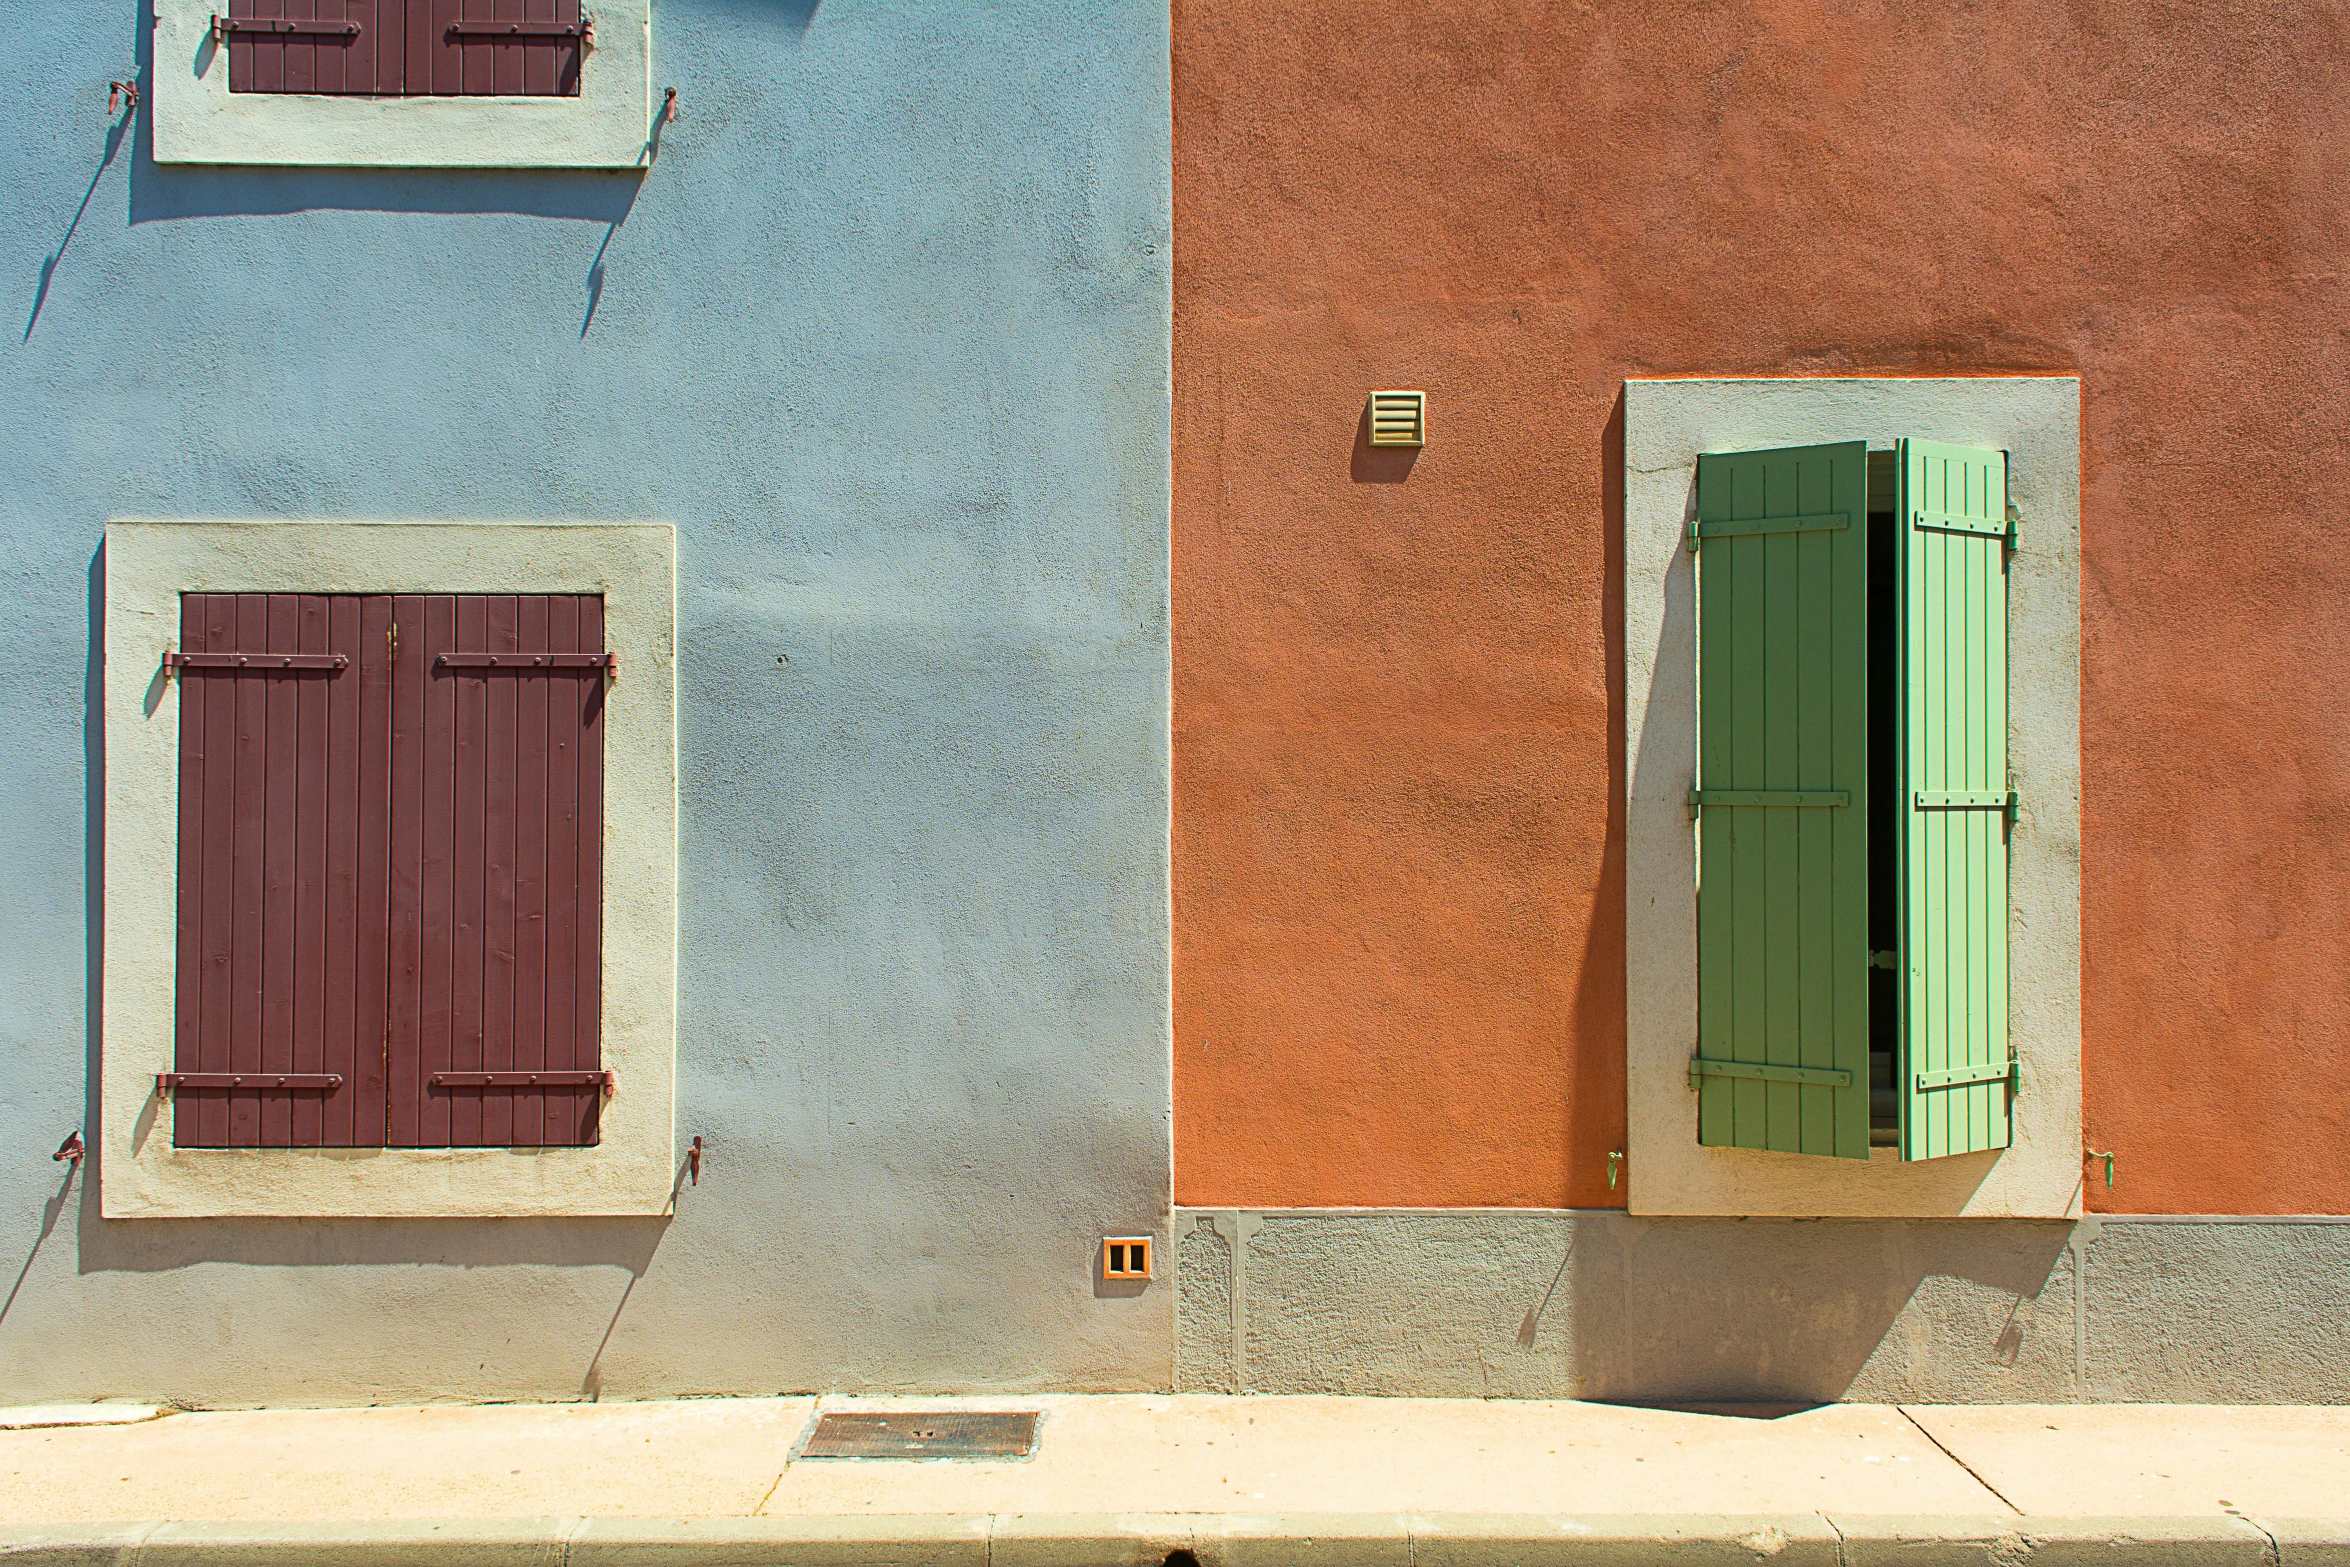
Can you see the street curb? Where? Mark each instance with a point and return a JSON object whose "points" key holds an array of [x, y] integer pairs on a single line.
{"points": [[1210, 1539]]}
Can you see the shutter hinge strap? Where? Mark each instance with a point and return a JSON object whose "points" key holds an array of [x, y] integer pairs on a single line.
{"points": [[2004, 529], [1762, 1071], [1748, 527], [2005, 803], [1782, 799], [2010, 1072]]}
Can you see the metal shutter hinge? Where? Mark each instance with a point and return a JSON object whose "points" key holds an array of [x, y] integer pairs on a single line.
{"points": [[224, 27], [1761, 1071]]}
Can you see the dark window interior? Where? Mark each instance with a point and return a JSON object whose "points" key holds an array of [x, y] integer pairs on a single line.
{"points": [[1885, 815]]}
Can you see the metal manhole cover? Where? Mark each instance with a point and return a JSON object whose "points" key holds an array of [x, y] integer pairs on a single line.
{"points": [[923, 1434]]}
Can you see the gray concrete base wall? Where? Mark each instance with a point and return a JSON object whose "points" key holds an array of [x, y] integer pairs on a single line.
{"points": [[1508, 1303]]}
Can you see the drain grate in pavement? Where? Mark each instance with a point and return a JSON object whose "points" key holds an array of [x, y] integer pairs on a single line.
{"points": [[946, 1433]]}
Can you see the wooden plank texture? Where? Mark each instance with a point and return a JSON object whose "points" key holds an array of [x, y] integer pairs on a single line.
{"points": [[498, 809], [270, 945], [388, 870], [1954, 740], [1783, 893]]}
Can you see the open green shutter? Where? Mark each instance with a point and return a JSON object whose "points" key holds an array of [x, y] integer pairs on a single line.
{"points": [[1954, 1083], [1782, 800]]}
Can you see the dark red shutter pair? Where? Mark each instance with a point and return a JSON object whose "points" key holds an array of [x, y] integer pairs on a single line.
{"points": [[404, 48], [390, 870]]}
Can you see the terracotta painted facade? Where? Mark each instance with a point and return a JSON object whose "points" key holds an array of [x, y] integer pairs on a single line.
{"points": [[1398, 687]]}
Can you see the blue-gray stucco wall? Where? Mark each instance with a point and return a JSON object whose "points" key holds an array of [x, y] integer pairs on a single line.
{"points": [[884, 332]]}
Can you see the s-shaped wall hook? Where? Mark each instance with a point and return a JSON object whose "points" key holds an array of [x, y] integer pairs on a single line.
{"points": [[71, 1150]]}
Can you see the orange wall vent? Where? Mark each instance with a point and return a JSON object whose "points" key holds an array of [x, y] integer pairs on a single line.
{"points": [[1126, 1257]]}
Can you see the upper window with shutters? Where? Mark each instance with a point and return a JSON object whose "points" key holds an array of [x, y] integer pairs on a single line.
{"points": [[405, 48], [405, 83]]}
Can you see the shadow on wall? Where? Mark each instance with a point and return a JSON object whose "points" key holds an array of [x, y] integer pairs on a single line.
{"points": [[1597, 1111], [1817, 1310], [1378, 464], [117, 130]]}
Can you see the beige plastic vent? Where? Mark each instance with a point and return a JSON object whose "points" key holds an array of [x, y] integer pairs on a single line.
{"points": [[1399, 418]]}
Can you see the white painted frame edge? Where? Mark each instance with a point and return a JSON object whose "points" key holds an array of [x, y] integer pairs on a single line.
{"points": [[2036, 420], [148, 566], [607, 126]]}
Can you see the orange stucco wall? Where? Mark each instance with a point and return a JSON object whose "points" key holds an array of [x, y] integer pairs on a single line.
{"points": [[1398, 708]]}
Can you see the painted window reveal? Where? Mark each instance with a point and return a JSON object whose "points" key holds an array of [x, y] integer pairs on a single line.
{"points": [[390, 871], [405, 48], [1852, 986]]}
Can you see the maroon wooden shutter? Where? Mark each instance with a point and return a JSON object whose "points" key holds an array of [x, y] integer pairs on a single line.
{"points": [[283, 776], [390, 871], [496, 871], [415, 48]]}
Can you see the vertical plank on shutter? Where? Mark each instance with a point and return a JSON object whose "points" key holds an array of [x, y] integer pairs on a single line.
{"points": [[477, 57], [252, 784], [500, 695], [506, 59], [1783, 683], [589, 1020], [439, 895], [468, 1013], [371, 1039], [338, 1024], [562, 983], [1746, 761], [445, 54], [538, 58], [420, 59], [1783, 895], [240, 51], [530, 875], [188, 971], [1812, 727], [269, 55], [567, 55], [281, 744], [302, 50], [306, 1112], [208, 1126], [358, 57], [404, 892]]}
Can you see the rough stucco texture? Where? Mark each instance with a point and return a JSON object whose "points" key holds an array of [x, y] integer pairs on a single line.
{"points": [[1606, 1306], [884, 333], [1396, 704]]}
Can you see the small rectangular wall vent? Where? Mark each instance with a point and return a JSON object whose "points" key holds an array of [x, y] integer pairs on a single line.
{"points": [[1399, 418], [940, 1433], [1126, 1257]]}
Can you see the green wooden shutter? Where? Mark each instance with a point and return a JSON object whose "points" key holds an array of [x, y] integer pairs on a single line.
{"points": [[1954, 1084], [1782, 905]]}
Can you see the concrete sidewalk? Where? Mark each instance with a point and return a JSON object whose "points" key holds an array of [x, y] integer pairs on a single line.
{"points": [[1232, 1480]]}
